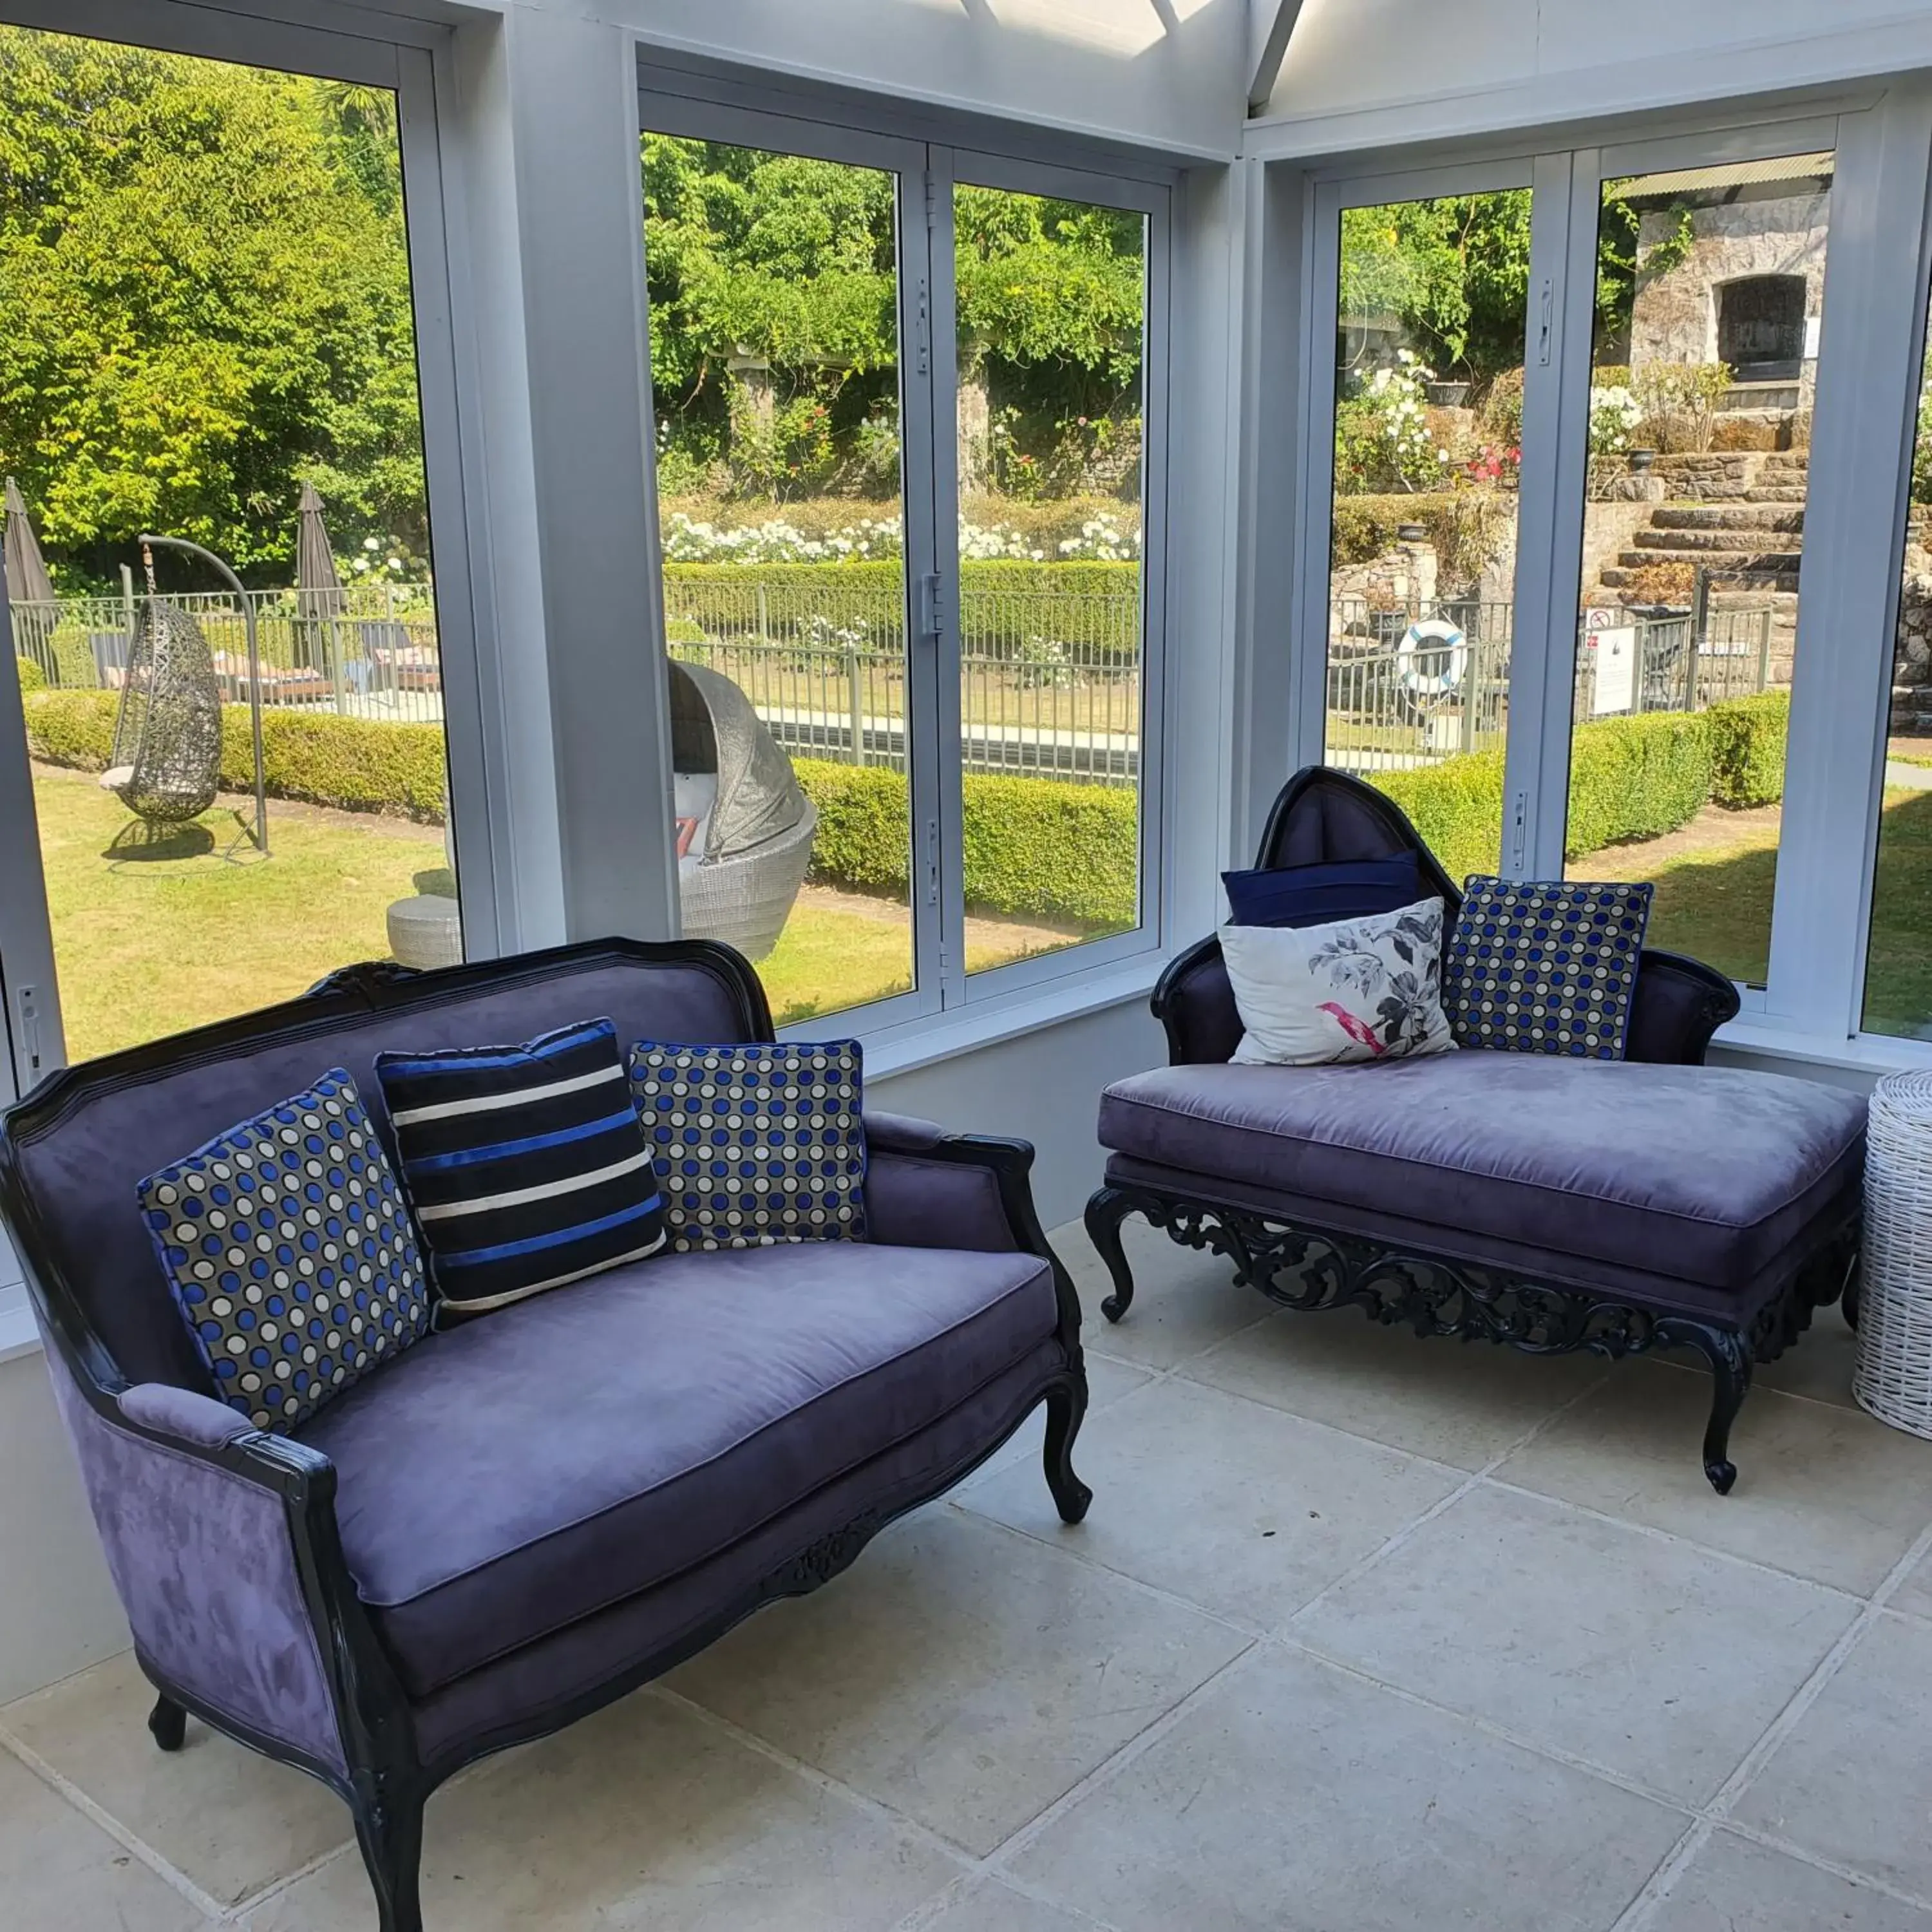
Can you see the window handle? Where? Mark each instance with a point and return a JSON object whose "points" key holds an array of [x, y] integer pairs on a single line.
{"points": [[930, 615], [29, 1001], [1546, 326]]}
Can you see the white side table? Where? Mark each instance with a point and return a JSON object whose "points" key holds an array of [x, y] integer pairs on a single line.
{"points": [[1893, 1378]]}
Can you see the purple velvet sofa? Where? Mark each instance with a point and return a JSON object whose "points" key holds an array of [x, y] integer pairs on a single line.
{"points": [[482, 1541], [1548, 1203]]}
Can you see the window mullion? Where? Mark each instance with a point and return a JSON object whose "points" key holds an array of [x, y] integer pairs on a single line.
{"points": [[1549, 523], [932, 575]]}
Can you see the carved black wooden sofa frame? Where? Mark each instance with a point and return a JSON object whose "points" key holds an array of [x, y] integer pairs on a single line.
{"points": [[388, 1780], [1306, 1267]]}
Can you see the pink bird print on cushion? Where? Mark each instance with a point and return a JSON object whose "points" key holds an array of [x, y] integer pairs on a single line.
{"points": [[1359, 1031]]}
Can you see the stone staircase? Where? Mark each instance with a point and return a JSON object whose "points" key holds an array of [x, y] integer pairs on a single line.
{"points": [[1745, 525]]}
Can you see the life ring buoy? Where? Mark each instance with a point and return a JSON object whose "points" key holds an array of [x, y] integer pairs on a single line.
{"points": [[1437, 639]]}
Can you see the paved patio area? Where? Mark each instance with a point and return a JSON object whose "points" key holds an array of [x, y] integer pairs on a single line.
{"points": [[1363, 1634]]}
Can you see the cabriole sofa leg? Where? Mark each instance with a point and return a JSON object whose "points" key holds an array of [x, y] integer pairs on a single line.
{"points": [[1106, 1211], [1729, 1362], [389, 1827], [168, 1723], [1065, 1406]]}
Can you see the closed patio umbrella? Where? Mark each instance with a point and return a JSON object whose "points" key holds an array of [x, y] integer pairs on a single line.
{"points": [[319, 598], [27, 583]]}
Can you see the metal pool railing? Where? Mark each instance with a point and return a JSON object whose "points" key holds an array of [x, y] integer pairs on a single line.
{"points": [[1050, 682], [1412, 686], [371, 652]]}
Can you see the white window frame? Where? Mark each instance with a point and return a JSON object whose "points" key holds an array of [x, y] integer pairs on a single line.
{"points": [[408, 64], [1878, 270], [929, 154]]}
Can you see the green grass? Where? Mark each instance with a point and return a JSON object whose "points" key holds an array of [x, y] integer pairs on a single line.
{"points": [[1898, 972], [1715, 904], [150, 945]]}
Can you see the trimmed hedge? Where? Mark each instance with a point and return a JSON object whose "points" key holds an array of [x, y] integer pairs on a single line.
{"points": [[1748, 741], [1630, 778], [358, 764], [1064, 599], [1038, 848], [32, 678], [1035, 848]]}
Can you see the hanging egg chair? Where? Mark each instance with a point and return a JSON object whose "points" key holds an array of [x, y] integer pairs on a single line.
{"points": [[167, 733]]}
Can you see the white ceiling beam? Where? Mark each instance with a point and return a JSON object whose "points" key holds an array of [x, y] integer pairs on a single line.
{"points": [[1270, 24]]}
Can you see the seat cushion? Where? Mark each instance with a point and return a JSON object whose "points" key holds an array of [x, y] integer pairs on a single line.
{"points": [[522, 1471], [1696, 1174]]}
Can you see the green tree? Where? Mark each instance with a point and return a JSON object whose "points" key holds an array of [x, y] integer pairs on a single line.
{"points": [[204, 298], [1452, 274], [749, 253]]}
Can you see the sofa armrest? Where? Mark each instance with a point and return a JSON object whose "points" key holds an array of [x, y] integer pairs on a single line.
{"points": [[221, 1540], [925, 1188], [1195, 1003]]}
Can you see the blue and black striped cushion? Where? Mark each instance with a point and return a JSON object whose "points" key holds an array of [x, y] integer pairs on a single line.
{"points": [[526, 1165]]}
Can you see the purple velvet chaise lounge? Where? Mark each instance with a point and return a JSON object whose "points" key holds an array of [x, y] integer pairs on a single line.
{"points": [[522, 1519], [1545, 1203]]}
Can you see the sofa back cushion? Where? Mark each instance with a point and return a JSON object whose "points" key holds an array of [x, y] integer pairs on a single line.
{"points": [[79, 1149]]}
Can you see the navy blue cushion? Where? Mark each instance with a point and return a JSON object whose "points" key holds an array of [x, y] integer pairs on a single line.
{"points": [[1320, 895], [526, 1165]]}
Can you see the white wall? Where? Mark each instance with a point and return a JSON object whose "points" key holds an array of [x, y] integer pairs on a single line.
{"points": [[1158, 73], [1369, 73]]}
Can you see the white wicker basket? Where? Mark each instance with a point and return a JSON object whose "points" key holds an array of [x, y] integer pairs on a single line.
{"points": [[1893, 1375]]}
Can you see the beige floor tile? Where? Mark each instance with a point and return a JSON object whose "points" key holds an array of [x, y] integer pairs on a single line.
{"points": [[1652, 1658], [1853, 1782], [1822, 1492], [964, 1675], [1107, 1382], [1184, 1301], [1914, 1594], [1460, 1404], [985, 1905], [1819, 1364], [59, 1872], [646, 1818], [1290, 1797], [1733, 1885], [1227, 1503], [230, 1819]]}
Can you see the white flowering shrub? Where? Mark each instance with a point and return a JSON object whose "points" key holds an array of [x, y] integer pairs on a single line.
{"points": [[1383, 441], [871, 540], [1615, 414]]}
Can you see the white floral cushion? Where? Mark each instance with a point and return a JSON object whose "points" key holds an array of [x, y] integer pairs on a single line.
{"points": [[1359, 989]]}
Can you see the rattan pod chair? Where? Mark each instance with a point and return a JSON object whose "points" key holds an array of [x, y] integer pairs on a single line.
{"points": [[167, 733], [745, 851]]}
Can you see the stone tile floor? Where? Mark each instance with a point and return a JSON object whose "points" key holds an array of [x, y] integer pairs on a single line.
{"points": [[1363, 1634]]}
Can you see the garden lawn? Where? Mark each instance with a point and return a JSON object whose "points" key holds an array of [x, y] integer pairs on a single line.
{"points": [[145, 947], [1713, 902]]}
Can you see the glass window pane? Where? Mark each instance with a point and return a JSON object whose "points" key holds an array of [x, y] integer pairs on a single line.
{"points": [[206, 333], [1898, 962], [774, 354], [1052, 332], [1431, 312], [1710, 285]]}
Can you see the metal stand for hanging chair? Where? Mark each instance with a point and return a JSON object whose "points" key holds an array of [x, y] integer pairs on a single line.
{"points": [[167, 758]]}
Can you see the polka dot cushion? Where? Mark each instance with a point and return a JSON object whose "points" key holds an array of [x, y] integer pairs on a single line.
{"points": [[290, 1253], [1545, 966], [755, 1144]]}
